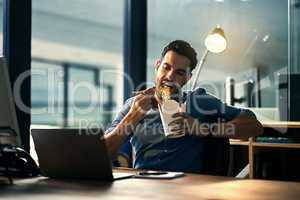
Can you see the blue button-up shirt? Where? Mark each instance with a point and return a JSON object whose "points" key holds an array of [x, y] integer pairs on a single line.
{"points": [[155, 151]]}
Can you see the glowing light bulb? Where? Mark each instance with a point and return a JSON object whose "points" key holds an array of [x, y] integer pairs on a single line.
{"points": [[216, 42]]}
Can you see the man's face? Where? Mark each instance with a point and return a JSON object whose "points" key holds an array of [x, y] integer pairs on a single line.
{"points": [[173, 68]]}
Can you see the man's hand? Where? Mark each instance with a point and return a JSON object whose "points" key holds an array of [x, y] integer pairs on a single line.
{"points": [[186, 124], [141, 104]]}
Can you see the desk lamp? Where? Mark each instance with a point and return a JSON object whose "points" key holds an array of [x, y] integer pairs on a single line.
{"points": [[215, 42]]}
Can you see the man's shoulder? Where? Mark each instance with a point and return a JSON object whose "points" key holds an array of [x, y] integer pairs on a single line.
{"points": [[201, 94], [197, 91], [200, 91]]}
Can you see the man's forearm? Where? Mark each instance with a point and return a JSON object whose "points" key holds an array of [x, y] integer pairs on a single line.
{"points": [[116, 138], [244, 126]]}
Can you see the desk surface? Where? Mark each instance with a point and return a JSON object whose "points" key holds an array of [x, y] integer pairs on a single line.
{"points": [[281, 124], [187, 187]]}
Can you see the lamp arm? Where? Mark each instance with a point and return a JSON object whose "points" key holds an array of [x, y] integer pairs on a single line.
{"points": [[198, 69]]}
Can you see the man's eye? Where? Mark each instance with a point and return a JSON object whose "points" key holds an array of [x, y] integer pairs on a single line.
{"points": [[181, 73], [166, 67]]}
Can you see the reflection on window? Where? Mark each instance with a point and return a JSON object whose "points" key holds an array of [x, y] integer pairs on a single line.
{"points": [[257, 45], [73, 45], [47, 101]]}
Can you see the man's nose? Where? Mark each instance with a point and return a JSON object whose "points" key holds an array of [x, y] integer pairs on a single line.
{"points": [[171, 75]]}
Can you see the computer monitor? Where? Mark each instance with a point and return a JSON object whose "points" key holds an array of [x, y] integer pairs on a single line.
{"points": [[9, 131]]}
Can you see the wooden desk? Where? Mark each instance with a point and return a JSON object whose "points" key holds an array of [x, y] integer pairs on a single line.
{"points": [[280, 124], [253, 145], [188, 187]]}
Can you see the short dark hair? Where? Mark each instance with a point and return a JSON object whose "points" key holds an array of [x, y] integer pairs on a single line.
{"points": [[182, 48]]}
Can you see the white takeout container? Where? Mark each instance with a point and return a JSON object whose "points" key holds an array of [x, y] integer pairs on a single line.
{"points": [[166, 110]]}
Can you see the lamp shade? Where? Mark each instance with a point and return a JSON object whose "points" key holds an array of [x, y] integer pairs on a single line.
{"points": [[216, 42]]}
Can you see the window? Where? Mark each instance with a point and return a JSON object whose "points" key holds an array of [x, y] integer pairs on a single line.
{"points": [[257, 35], [76, 61], [1, 27]]}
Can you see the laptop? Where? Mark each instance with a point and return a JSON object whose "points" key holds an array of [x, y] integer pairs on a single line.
{"points": [[74, 154]]}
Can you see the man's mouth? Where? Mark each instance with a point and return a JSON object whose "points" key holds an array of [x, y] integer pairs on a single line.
{"points": [[169, 84], [167, 89]]}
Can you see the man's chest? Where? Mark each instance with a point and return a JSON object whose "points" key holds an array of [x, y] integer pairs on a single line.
{"points": [[150, 129]]}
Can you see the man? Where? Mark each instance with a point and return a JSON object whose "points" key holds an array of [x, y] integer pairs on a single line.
{"points": [[207, 124]]}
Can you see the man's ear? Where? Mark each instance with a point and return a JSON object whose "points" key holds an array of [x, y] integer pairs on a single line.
{"points": [[189, 76], [157, 64]]}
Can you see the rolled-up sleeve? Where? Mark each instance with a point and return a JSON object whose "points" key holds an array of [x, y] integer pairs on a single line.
{"points": [[232, 112], [120, 115], [208, 108]]}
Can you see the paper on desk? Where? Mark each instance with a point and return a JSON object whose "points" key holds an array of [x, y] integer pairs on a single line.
{"points": [[166, 110]]}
